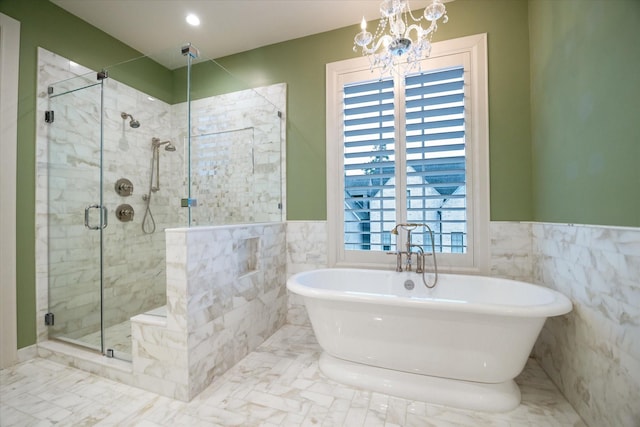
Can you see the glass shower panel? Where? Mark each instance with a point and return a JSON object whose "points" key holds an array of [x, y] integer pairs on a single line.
{"points": [[134, 277], [220, 143], [75, 214], [235, 165], [236, 149], [268, 165]]}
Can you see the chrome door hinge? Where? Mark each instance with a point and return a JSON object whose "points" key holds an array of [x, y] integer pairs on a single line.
{"points": [[48, 319]]}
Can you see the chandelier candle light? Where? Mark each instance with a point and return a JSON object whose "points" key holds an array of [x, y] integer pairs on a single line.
{"points": [[404, 38]]}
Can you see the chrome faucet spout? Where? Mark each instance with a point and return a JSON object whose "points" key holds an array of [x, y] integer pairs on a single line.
{"points": [[420, 252]]}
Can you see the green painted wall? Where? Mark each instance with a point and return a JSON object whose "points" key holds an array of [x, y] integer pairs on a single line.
{"points": [[585, 97], [301, 64]]}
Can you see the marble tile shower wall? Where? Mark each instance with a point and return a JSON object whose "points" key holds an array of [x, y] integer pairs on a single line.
{"points": [[237, 153], [134, 262], [225, 296], [593, 353], [68, 181]]}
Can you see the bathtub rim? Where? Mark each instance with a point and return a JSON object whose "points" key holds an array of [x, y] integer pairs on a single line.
{"points": [[559, 305]]}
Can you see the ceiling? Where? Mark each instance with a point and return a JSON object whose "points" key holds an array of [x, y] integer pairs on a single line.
{"points": [[157, 28]]}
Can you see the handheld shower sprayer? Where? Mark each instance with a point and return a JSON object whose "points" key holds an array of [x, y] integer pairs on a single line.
{"points": [[155, 143], [148, 223], [133, 122]]}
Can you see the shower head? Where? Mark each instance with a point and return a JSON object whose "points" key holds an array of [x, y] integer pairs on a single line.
{"points": [[133, 123], [155, 143]]}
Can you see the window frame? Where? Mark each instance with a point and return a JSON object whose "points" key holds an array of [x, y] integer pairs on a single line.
{"points": [[472, 50]]}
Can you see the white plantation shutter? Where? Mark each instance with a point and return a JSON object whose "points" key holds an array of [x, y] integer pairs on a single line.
{"points": [[434, 154], [369, 169]]}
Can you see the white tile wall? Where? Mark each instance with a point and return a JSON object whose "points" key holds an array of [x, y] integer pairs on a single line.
{"points": [[217, 313], [306, 250], [593, 353], [511, 256]]}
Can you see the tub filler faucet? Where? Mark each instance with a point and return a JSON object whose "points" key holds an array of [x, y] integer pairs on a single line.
{"points": [[420, 253]]}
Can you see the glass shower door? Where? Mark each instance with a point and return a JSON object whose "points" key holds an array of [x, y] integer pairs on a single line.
{"points": [[76, 215]]}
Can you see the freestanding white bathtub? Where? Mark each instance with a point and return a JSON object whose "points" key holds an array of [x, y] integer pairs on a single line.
{"points": [[459, 344]]}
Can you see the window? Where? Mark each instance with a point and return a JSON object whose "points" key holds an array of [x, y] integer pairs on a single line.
{"points": [[409, 149], [457, 242]]}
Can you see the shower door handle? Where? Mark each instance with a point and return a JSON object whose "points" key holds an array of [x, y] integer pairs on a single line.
{"points": [[104, 217], [86, 217]]}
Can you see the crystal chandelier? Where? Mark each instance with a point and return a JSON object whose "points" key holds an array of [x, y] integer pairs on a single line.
{"points": [[406, 40]]}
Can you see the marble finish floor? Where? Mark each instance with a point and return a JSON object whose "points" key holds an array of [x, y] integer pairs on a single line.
{"points": [[279, 384]]}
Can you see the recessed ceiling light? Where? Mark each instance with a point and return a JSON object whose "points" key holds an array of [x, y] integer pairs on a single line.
{"points": [[193, 20]]}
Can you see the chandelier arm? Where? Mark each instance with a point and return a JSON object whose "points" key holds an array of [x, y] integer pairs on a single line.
{"points": [[420, 32], [381, 41]]}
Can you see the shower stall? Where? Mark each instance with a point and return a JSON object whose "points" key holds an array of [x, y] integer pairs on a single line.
{"points": [[117, 167]]}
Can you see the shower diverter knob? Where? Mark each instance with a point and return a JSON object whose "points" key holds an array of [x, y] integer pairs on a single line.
{"points": [[124, 187], [124, 213]]}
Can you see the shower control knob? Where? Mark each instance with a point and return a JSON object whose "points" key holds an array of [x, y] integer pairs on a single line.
{"points": [[124, 213], [124, 187]]}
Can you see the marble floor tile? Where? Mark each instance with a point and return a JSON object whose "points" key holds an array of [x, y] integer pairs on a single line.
{"points": [[279, 384]]}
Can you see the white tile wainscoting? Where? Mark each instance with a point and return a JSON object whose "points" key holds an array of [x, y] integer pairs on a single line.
{"points": [[217, 311], [593, 353]]}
